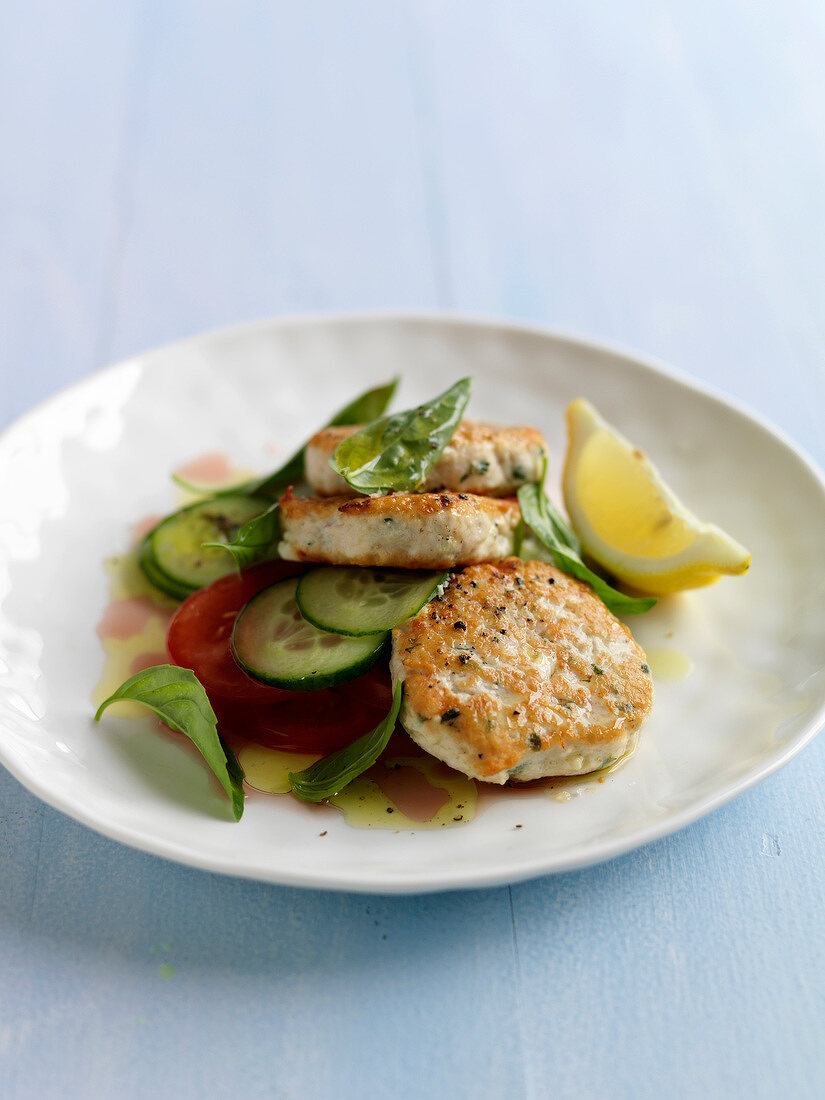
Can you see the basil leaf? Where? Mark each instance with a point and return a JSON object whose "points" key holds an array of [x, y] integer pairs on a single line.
{"points": [[559, 538], [518, 537], [179, 700], [255, 538], [366, 407], [235, 773], [397, 452], [327, 777]]}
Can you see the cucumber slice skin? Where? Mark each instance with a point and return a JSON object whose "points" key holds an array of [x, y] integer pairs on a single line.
{"points": [[155, 575], [173, 548], [326, 608], [274, 610]]}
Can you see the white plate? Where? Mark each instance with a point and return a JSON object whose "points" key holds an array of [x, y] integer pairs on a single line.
{"points": [[78, 471]]}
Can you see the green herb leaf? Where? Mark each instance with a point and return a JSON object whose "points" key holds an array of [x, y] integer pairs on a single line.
{"points": [[397, 452], [559, 538], [178, 698], [327, 777], [255, 540], [519, 536], [366, 407], [235, 772]]}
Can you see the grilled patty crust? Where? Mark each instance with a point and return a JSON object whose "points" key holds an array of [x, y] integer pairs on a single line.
{"points": [[480, 458], [405, 530], [518, 671]]}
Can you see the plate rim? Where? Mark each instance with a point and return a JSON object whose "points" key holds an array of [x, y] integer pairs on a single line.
{"points": [[414, 883]]}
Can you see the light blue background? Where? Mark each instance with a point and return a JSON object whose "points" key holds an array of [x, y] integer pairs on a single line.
{"points": [[651, 173]]}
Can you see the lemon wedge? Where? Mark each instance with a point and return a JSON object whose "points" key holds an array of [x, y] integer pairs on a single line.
{"points": [[630, 522]]}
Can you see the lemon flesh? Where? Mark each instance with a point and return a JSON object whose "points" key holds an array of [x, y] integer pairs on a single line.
{"points": [[629, 521]]}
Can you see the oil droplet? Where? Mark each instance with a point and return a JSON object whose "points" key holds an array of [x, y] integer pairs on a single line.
{"points": [[365, 805], [410, 791], [268, 769], [401, 791], [132, 630], [166, 971], [669, 664], [128, 581]]}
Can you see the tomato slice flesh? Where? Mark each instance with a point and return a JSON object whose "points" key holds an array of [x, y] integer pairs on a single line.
{"points": [[292, 721], [199, 633], [310, 721]]}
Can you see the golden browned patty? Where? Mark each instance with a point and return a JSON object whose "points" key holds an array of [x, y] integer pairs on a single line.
{"points": [[405, 530], [480, 458], [518, 671]]}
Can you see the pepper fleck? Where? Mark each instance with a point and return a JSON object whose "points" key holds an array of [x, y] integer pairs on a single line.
{"points": [[464, 658], [450, 715], [534, 741], [646, 669], [459, 625], [552, 580]]}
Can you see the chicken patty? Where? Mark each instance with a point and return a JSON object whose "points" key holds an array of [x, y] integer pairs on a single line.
{"points": [[405, 530], [518, 671], [480, 458]]}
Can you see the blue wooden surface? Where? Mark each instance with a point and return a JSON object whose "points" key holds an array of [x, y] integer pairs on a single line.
{"points": [[650, 173]]}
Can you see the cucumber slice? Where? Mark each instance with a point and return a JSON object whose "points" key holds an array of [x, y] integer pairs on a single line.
{"points": [[273, 642], [175, 557], [147, 563], [355, 602]]}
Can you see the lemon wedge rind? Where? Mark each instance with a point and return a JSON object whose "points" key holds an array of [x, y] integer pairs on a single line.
{"points": [[628, 519]]}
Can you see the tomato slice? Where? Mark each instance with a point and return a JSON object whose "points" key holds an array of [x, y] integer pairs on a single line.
{"points": [[199, 633], [310, 721], [293, 721]]}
